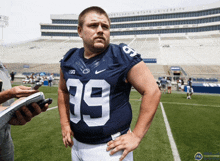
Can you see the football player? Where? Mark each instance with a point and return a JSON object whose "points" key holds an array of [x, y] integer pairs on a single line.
{"points": [[93, 94], [189, 88], [163, 83]]}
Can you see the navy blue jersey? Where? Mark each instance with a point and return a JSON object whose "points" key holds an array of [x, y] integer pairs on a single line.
{"points": [[163, 81], [190, 83], [99, 96]]}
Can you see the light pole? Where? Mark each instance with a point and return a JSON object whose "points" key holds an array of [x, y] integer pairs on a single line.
{"points": [[3, 22]]}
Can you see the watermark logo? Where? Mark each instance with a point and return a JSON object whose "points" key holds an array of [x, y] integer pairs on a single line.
{"points": [[198, 156], [211, 156]]}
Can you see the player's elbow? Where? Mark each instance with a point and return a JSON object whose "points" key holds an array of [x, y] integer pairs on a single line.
{"points": [[157, 93], [153, 93]]}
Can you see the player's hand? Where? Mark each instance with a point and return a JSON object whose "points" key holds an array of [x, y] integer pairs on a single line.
{"points": [[127, 143], [24, 115], [67, 133], [22, 91]]}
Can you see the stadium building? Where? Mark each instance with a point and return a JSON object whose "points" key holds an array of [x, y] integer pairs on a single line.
{"points": [[176, 42], [146, 22], [173, 36]]}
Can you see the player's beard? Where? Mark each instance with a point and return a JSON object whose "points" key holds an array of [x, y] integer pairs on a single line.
{"points": [[98, 46]]}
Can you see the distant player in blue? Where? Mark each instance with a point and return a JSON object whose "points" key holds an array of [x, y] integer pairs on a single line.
{"points": [[163, 83], [189, 89], [94, 88]]}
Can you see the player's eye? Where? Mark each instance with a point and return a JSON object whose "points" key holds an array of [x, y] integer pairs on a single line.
{"points": [[106, 27], [93, 25]]}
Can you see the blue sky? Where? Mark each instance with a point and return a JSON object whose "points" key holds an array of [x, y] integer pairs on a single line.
{"points": [[25, 16]]}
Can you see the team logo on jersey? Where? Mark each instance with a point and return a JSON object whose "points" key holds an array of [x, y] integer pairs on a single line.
{"points": [[72, 72], [100, 71], [86, 71]]}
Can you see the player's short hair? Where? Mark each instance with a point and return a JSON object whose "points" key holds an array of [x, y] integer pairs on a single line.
{"points": [[95, 9]]}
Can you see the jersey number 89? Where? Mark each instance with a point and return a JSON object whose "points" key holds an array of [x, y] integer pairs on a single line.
{"points": [[90, 101]]}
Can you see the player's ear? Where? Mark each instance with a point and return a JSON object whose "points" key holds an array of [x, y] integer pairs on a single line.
{"points": [[79, 31]]}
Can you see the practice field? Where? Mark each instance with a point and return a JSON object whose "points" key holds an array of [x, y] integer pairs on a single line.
{"points": [[194, 124]]}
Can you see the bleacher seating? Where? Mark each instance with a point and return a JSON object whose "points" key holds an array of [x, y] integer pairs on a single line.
{"points": [[197, 55]]}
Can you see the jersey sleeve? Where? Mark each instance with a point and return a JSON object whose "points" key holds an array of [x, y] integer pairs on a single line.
{"points": [[67, 56], [129, 57]]}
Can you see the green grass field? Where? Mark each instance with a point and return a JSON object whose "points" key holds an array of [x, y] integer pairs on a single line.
{"points": [[194, 125]]}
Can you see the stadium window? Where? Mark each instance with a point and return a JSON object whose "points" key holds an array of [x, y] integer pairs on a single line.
{"points": [[183, 15], [207, 12], [213, 12], [202, 13]]}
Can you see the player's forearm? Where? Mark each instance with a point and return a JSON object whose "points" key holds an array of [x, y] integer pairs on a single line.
{"points": [[147, 111], [5, 95], [63, 106]]}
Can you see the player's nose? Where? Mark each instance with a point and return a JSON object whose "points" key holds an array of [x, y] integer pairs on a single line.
{"points": [[99, 28]]}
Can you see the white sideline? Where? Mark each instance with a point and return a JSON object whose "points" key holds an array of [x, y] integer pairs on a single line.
{"points": [[175, 152]]}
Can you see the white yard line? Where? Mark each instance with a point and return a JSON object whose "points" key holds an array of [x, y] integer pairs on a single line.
{"points": [[190, 104], [175, 152]]}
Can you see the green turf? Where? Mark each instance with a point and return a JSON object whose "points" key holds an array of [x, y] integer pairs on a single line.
{"points": [[155, 146], [40, 139], [194, 123]]}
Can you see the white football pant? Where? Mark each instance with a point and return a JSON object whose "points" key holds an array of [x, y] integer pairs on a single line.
{"points": [[90, 152]]}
